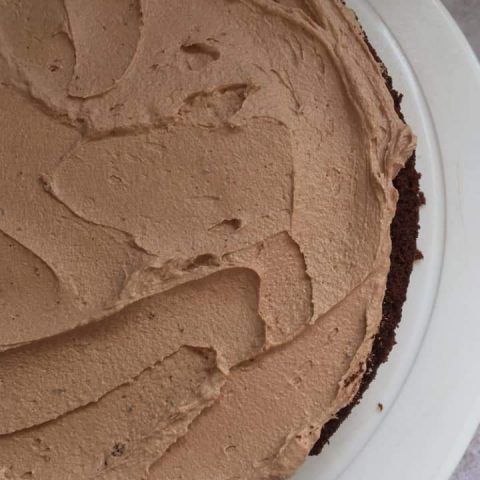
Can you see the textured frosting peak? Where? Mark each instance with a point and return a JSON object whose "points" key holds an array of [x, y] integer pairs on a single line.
{"points": [[195, 204]]}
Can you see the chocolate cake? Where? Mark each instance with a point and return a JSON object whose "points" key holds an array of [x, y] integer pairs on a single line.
{"points": [[208, 220]]}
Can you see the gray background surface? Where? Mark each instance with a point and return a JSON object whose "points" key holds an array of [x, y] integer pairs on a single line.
{"points": [[467, 15]]}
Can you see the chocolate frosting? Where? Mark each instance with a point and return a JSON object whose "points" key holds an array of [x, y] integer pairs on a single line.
{"points": [[195, 210]]}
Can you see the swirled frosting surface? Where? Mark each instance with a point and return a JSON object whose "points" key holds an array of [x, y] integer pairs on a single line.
{"points": [[195, 209]]}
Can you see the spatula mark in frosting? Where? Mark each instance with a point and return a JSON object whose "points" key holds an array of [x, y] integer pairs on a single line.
{"points": [[135, 420], [284, 310], [164, 176], [230, 225], [199, 54], [219, 311], [216, 107], [102, 38]]}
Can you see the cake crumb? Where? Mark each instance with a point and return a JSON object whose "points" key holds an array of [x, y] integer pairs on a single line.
{"points": [[422, 199], [380, 407], [418, 255]]}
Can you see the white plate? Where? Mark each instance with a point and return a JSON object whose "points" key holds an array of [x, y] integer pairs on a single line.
{"points": [[430, 388]]}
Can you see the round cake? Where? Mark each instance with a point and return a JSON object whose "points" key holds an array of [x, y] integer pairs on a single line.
{"points": [[208, 220]]}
